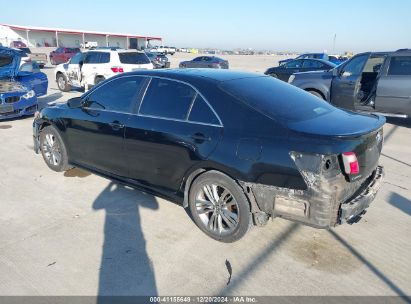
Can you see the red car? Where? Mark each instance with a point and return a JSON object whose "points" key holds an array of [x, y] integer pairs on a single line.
{"points": [[17, 44], [62, 55]]}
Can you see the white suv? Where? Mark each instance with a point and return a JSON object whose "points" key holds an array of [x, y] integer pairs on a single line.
{"points": [[91, 67]]}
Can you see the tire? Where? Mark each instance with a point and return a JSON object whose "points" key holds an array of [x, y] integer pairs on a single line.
{"points": [[62, 83], [98, 80], [53, 149], [226, 220], [315, 93]]}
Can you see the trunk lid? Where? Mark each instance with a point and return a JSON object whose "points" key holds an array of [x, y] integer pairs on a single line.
{"points": [[9, 62]]}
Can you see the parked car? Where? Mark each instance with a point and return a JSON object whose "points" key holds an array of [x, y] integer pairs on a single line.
{"points": [[283, 72], [17, 44], [171, 50], [322, 56], [370, 82], [87, 69], [181, 134], [159, 60], [205, 62], [89, 44], [40, 58], [157, 49], [62, 55], [337, 59], [20, 85]]}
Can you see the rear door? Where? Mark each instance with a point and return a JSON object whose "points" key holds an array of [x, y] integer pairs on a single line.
{"points": [[345, 85], [175, 128], [95, 133], [94, 63], [393, 88]]}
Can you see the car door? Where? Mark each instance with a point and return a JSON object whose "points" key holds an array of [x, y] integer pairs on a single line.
{"points": [[345, 85], [311, 65], [285, 71], [175, 128], [195, 63], [95, 132], [74, 69], [393, 89], [90, 66]]}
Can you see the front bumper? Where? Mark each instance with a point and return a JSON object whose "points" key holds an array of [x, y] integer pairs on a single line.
{"points": [[351, 211], [24, 107]]}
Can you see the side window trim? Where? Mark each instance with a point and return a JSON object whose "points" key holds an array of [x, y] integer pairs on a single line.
{"points": [[197, 92]]}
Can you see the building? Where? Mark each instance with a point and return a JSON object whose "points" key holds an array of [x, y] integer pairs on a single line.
{"points": [[56, 37]]}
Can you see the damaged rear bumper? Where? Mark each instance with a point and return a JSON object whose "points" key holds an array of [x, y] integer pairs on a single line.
{"points": [[324, 204], [351, 211]]}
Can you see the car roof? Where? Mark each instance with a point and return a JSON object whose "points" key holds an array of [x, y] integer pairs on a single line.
{"points": [[216, 75]]}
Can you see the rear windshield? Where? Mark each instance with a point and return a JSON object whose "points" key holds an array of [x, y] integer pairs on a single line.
{"points": [[133, 58], [277, 99]]}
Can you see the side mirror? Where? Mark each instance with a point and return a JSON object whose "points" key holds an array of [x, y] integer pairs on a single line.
{"points": [[74, 103]]}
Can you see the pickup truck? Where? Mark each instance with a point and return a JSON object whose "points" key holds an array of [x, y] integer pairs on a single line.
{"points": [[20, 85], [62, 55], [40, 58], [368, 82]]}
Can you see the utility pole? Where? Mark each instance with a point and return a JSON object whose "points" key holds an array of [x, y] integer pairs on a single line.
{"points": [[335, 38]]}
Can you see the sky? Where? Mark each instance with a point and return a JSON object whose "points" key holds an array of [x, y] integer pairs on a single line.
{"points": [[297, 25]]}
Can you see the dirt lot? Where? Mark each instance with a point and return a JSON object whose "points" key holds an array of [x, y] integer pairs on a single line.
{"points": [[75, 233]]}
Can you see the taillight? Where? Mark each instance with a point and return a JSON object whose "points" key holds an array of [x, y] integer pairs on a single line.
{"points": [[117, 69], [350, 162]]}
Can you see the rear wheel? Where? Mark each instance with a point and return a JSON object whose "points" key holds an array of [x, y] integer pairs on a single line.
{"points": [[62, 83], [53, 150], [315, 93], [219, 207], [99, 79]]}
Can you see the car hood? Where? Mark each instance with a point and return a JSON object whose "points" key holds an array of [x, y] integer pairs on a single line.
{"points": [[11, 69], [339, 123], [7, 86]]}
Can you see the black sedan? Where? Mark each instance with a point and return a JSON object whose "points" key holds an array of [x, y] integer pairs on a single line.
{"points": [[159, 60], [235, 148], [284, 71], [211, 62]]}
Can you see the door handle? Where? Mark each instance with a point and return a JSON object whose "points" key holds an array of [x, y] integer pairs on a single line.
{"points": [[115, 125], [200, 137]]}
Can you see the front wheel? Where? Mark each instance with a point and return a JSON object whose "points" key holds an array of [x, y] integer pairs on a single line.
{"points": [[53, 150], [62, 83], [219, 207]]}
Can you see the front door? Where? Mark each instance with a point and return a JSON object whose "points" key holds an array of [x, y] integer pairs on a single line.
{"points": [[74, 69], [175, 128], [345, 84], [95, 132]]}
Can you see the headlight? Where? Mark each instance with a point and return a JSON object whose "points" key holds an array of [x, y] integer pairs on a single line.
{"points": [[292, 77], [29, 94]]}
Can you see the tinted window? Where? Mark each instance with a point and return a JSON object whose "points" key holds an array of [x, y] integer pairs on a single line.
{"points": [[92, 57], [104, 58], [133, 58], [76, 58], [5, 60], [201, 112], [293, 64], [400, 65], [72, 50], [354, 67], [166, 98], [117, 95], [198, 59], [312, 64], [276, 99]]}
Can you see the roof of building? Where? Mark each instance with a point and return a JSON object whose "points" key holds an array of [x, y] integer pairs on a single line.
{"points": [[71, 31]]}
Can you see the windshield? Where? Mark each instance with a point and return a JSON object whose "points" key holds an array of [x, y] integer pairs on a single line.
{"points": [[133, 58], [276, 99]]}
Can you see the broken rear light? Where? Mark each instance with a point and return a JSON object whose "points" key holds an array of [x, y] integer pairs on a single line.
{"points": [[117, 69], [350, 162]]}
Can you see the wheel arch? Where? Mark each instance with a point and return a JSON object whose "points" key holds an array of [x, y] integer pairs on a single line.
{"points": [[194, 174], [316, 90]]}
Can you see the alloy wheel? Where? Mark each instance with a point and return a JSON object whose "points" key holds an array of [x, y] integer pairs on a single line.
{"points": [[51, 149], [217, 209]]}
